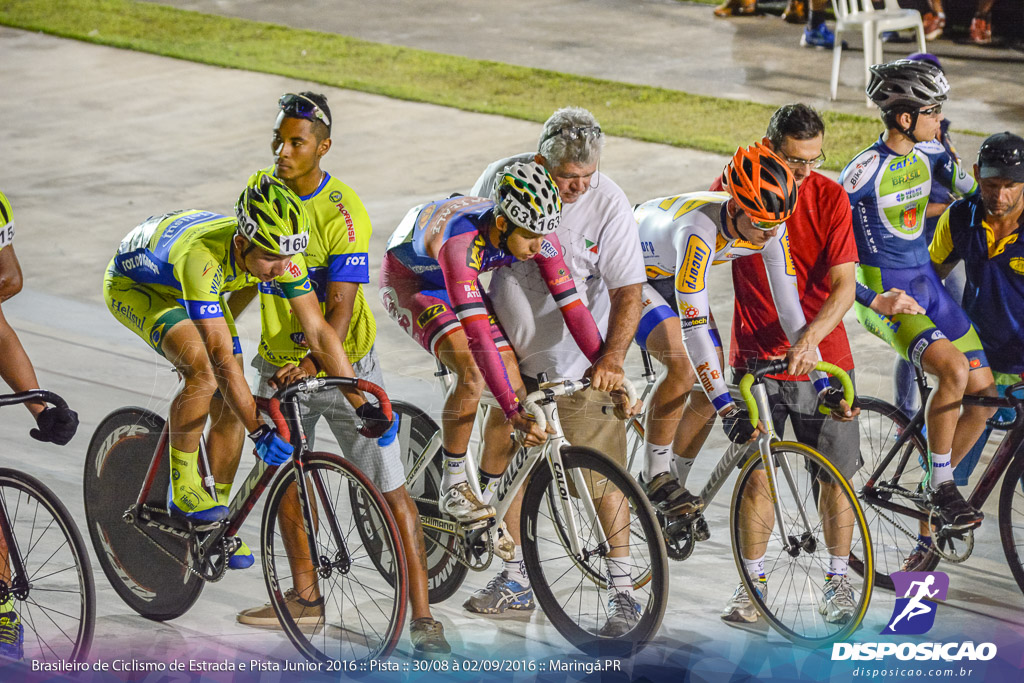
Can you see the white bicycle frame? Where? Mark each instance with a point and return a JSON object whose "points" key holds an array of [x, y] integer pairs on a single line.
{"points": [[540, 404]]}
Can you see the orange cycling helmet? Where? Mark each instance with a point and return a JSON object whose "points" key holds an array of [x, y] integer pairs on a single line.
{"points": [[761, 184]]}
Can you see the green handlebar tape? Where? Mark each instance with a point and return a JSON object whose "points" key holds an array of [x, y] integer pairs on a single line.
{"points": [[822, 366]]}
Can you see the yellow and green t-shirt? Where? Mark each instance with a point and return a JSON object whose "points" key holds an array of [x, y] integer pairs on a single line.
{"points": [[338, 252]]}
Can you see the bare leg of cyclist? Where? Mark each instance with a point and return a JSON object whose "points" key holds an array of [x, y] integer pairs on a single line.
{"points": [[225, 439], [948, 442], [667, 421], [837, 518], [189, 410]]}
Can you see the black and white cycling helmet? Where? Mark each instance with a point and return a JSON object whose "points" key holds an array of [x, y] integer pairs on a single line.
{"points": [[528, 198], [912, 84]]}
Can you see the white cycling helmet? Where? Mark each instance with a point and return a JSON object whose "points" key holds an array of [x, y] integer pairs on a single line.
{"points": [[528, 198]]}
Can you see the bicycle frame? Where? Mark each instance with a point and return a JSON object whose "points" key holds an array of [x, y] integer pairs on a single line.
{"points": [[516, 474], [1012, 446], [245, 499]]}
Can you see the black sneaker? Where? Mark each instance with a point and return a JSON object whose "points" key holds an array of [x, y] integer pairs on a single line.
{"points": [[669, 497], [951, 506]]}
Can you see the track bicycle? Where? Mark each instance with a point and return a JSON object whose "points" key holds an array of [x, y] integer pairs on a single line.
{"points": [[45, 566], [158, 563], [777, 505], [564, 540], [892, 482]]}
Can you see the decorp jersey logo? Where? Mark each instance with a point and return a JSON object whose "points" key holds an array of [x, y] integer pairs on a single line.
{"points": [[690, 278], [914, 613]]}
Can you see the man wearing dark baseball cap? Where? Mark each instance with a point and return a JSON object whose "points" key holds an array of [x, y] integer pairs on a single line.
{"points": [[985, 232]]}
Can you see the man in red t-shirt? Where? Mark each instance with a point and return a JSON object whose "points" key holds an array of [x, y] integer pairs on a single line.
{"points": [[825, 254]]}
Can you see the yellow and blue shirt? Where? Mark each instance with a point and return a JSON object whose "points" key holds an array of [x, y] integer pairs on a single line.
{"points": [[994, 295], [338, 251]]}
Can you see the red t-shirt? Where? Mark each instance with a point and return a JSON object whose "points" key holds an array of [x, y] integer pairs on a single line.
{"points": [[820, 237]]}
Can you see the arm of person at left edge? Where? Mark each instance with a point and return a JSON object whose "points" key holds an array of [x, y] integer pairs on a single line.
{"points": [[15, 367], [324, 343]]}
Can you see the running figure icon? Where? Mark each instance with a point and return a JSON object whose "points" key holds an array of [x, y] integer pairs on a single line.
{"points": [[916, 588]]}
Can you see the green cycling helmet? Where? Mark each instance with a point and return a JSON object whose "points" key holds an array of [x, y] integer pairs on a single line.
{"points": [[271, 216]]}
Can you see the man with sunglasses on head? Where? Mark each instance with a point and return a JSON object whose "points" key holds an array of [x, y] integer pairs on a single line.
{"points": [[682, 237], [338, 262], [824, 256], [899, 296], [598, 235]]}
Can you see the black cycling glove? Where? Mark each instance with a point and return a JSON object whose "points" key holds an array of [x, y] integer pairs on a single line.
{"points": [[55, 425], [375, 422], [736, 424], [829, 399]]}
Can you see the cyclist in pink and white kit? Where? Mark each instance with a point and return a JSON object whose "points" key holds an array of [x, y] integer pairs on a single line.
{"points": [[429, 285]]}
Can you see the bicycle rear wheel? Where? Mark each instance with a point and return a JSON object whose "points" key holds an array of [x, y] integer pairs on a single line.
{"points": [[1011, 518], [53, 594], [881, 423], [798, 557], [158, 585], [445, 574], [573, 591], [363, 610]]}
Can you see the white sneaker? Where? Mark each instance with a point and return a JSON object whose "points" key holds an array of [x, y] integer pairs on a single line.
{"points": [[460, 502], [740, 608], [838, 601]]}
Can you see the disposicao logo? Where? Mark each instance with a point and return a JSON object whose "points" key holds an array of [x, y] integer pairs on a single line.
{"points": [[914, 614]]}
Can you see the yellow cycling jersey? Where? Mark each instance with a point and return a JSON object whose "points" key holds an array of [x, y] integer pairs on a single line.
{"points": [[6, 222], [188, 253], [337, 252]]}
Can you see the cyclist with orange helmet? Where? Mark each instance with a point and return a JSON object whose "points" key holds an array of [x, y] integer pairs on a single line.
{"points": [[681, 238]]}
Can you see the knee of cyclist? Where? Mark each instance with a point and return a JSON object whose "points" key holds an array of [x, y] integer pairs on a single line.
{"points": [[679, 371], [954, 371], [199, 378]]}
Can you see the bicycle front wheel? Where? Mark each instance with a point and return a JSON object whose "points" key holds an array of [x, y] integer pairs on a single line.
{"points": [[1011, 518], [573, 590], [820, 518], [893, 535], [362, 598], [46, 569]]}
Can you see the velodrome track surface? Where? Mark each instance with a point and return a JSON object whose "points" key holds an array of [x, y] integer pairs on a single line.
{"points": [[96, 139]]}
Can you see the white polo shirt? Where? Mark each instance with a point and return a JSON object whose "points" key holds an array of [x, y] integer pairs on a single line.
{"points": [[602, 249]]}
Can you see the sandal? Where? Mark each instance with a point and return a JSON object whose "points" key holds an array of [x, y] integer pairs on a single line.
{"points": [[795, 12], [736, 8]]}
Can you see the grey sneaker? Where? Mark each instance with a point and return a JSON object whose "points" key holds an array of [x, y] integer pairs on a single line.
{"points": [[500, 594], [427, 636], [304, 612], [623, 616], [740, 608], [838, 602], [460, 502]]}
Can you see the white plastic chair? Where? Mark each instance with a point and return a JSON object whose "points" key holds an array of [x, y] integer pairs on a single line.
{"points": [[851, 14]]}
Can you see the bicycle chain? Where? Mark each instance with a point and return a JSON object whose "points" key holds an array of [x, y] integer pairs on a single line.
{"points": [[166, 552], [214, 578], [881, 512]]}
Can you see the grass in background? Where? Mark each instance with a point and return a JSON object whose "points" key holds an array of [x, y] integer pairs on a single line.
{"points": [[641, 112]]}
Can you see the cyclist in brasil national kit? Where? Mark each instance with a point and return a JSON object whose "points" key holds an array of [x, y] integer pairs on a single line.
{"points": [[338, 266], [429, 285], [53, 424], [889, 185], [682, 237], [166, 283]]}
